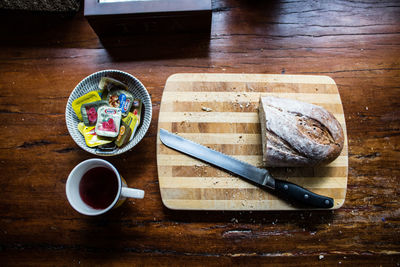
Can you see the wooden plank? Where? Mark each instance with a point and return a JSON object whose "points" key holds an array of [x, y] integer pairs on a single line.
{"points": [[256, 160], [251, 78], [232, 97], [226, 117], [233, 182]]}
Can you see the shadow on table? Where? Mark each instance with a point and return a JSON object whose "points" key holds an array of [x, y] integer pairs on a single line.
{"points": [[106, 235], [157, 46], [306, 219], [53, 30]]}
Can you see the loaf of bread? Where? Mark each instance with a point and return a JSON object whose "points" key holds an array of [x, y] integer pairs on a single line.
{"points": [[296, 133]]}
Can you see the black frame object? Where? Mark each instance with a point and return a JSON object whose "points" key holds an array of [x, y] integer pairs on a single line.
{"points": [[148, 16]]}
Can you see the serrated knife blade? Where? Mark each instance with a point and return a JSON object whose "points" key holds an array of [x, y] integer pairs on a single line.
{"points": [[261, 177]]}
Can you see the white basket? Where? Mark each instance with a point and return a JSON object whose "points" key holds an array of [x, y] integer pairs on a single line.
{"points": [[90, 83]]}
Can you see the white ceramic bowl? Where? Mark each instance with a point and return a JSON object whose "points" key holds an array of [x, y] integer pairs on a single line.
{"points": [[90, 83]]}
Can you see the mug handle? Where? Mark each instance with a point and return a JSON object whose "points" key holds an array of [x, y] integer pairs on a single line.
{"points": [[131, 192]]}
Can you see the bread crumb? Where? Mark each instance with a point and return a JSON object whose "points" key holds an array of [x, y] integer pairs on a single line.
{"points": [[206, 109], [250, 87]]}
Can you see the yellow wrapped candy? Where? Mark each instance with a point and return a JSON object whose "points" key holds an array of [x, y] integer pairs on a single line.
{"points": [[132, 120], [91, 138], [87, 98]]}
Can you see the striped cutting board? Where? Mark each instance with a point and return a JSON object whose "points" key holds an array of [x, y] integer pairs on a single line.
{"points": [[221, 111]]}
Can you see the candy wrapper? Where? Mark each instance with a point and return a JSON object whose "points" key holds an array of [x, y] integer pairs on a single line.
{"points": [[107, 84], [87, 98], [108, 121], [124, 133], [91, 138], [120, 99], [110, 115], [89, 112], [133, 121], [137, 108]]}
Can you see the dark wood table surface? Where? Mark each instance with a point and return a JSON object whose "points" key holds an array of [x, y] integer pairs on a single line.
{"points": [[42, 59]]}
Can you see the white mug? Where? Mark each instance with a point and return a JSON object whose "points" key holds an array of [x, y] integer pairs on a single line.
{"points": [[73, 183]]}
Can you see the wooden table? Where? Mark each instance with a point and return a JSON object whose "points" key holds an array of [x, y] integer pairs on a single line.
{"points": [[357, 43]]}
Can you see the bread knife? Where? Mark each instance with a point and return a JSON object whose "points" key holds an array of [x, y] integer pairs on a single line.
{"points": [[258, 176]]}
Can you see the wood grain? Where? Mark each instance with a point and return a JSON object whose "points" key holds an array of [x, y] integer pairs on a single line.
{"points": [[42, 58]]}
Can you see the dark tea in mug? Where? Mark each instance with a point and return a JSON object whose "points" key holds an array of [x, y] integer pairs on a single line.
{"points": [[99, 187]]}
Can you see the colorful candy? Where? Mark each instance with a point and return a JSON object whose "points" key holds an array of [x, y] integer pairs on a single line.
{"points": [[124, 134], [137, 108], [89, 112], [120, 99], [107, 84], [91, 138], [109, 121], [87, 98]]}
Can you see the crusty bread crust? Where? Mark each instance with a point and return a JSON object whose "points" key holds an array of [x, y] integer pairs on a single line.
{"points": [[296, 133]]}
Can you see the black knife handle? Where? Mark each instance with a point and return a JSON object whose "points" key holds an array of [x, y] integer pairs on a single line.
{"points": [[298, 193]]}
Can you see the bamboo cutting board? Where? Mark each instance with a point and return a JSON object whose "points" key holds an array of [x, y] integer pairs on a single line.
{"points": [[221, 111]]}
